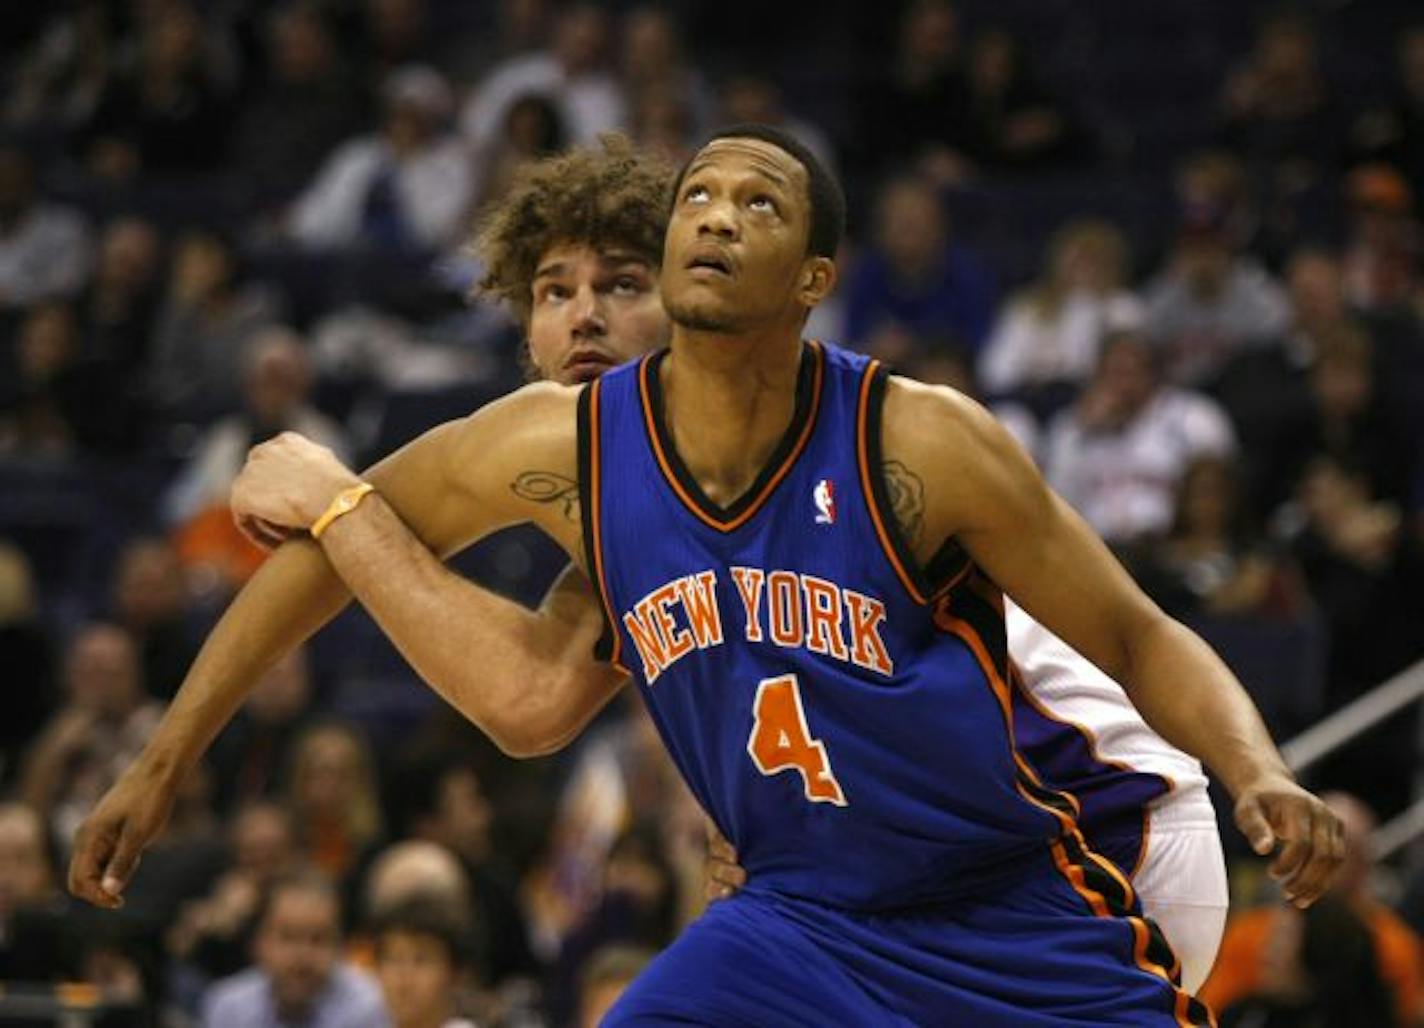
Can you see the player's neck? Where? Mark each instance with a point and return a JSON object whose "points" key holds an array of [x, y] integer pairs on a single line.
{"points": [[728, 401]]}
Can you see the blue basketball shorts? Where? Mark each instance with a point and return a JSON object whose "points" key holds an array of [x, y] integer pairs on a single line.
{"points": [[1045, 952]]}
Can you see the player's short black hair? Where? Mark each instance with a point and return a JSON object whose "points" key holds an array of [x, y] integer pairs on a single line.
{"points": [[828, 206]]}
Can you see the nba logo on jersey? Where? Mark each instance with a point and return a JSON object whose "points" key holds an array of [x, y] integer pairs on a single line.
{"points": [[825, 496]]}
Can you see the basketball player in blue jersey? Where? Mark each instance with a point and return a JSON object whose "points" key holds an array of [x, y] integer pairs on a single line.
{"points": [[781, 732], [583, 287], [800, 559]]}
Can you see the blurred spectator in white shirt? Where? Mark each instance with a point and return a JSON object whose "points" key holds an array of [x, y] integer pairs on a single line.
{"points": [[406, 188], [1049, 333], [1211, 303], [45, 250], [571, 72], [106, 720], [1118, 455]]}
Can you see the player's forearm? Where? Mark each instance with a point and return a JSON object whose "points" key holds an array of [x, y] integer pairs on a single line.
{"points": [[526, 679], [293, 594], [1190, 697]]}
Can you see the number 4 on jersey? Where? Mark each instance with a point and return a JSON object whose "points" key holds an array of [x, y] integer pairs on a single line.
{"points": [[780, 740]]}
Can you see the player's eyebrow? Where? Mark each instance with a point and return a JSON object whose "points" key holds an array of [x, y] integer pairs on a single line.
{"points": [[764, 171], [553, 270], [618, 258]]}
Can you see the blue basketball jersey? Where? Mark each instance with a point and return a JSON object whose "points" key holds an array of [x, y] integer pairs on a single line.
{"points": [[846, 730], [847, 720]]}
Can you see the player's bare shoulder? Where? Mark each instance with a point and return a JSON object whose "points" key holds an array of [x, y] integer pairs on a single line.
{"points": [[943, 455]]}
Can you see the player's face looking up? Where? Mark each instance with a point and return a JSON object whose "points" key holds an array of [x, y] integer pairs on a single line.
{"points": [[736, 251], [591, 310]]}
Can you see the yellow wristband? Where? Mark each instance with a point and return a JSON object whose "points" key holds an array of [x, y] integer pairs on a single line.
{"points": [[346, 501]]}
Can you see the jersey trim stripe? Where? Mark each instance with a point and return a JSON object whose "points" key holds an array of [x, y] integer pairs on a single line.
{"points": [[1102, 886], [791, 446], [610, 645], [1090, 740], [872, 484], [950, 564]]}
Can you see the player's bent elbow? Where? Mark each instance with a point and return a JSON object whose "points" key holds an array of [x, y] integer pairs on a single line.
{"points": [[527, 730], [528, 741]]}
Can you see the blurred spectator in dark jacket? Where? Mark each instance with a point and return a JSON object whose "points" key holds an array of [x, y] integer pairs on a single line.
{"points": [[118, 310], [26, 655], [404, 189], [1394, 132], [1365, 573], [1210, 302], [39, 404], [308, 103], [332, 797], [442, 799], [172, 112], [917, 108], [1346, 418], [1367, 577], [38, 942], [45, 250], [106, 719], [209, 314], [150, 599], [212, 935], [752, 97], [1012, 123], [915, 279], [1381, 258], [1048, 334], [654, 59], [637, 907], [1213, 561], [1266, 389], [60, 77], [248, 755], [1278, 109], [64, 396]]}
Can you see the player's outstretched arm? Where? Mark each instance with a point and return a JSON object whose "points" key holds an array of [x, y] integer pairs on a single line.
{"points": [[980, 488], [293, 594], [528, 680]]}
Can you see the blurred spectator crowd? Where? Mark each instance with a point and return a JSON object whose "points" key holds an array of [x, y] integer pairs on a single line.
{"points": [[1177, 247]]}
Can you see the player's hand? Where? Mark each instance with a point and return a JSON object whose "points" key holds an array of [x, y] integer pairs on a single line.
{"points": [[115, 834], [286, 484], [1276, 812], [724, 875]]}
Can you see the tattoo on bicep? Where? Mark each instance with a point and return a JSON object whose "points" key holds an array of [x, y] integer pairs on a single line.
{"points": [[907, 500], [548, 487]]}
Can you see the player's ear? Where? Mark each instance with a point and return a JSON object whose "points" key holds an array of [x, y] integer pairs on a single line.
{"points": [[818, 278]]}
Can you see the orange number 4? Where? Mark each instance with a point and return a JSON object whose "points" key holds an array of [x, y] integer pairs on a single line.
{"points": [[780, 740]]}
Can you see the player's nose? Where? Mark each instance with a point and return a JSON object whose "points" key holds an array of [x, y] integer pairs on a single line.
{"points": [[586, 310], [717, 219]]}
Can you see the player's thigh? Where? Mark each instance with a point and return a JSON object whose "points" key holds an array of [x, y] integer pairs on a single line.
{"points": [[744, 964], [1182, 885]]}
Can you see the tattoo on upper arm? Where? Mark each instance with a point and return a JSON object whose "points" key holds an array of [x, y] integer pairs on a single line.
{"points": [[548, 487], [907, 500]]}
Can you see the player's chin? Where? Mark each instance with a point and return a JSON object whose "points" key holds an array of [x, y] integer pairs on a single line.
{"points": [[702, 316]]}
